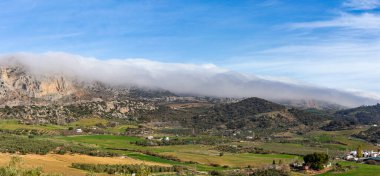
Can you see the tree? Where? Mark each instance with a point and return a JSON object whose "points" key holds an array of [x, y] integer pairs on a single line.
{"points": [[316, 161], [143, 171], [359, 151]]}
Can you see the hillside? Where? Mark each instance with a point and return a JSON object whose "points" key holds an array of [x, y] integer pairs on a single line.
{"points": [[371, 135], [258, 115], [349, 118], [311, 104], [61, 99], [62, 114]]}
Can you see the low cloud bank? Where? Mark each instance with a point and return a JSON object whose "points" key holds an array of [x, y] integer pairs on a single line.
{"points": [[203, 80]]}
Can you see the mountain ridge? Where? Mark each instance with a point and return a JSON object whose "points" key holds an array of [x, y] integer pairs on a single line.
{"points": [[181, 79]]}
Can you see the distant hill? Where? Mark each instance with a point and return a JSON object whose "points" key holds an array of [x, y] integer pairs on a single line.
{"points": [[58, 98], [371, 135], [258, 115], [349, 118], [311, 104]]}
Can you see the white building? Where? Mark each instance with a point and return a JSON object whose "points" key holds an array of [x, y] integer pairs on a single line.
{"points": [[366, 154], [166, 138], [249, 137], [150, 137]]}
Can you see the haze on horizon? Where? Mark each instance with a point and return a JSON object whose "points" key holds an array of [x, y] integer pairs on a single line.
{"points": [[270, 49]]}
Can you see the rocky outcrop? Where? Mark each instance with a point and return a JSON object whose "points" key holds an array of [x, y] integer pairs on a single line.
{"points": [[18, 87], [60, 99]]}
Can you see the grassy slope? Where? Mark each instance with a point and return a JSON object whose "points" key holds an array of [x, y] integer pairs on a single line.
{"points": [[343, 137], [14, 125], [120, 128], [333, 142], [361, 169], [89, 122]]}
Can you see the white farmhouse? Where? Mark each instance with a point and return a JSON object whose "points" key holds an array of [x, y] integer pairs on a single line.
{"points": [[150, 137]]}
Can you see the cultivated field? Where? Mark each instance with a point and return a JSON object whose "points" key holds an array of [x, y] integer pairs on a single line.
{"points": [[358, 170], [200, 157], [61, 164]]}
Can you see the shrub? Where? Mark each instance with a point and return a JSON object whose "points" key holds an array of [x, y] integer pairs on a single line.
{"points": [[316, 161], [215, 165], [140, 170], [269, 172], [27, 145], [214, 172]]}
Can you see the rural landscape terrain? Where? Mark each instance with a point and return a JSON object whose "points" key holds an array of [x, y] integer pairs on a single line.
{"points": [[189, 88], [54, 124]]}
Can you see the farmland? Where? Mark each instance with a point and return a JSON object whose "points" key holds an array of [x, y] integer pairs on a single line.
{"points": [[357, 169], [61, 164], [203, 154], [198, 153]]}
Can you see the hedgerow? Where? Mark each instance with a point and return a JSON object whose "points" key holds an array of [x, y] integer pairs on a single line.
{"points": [[125, 169]]}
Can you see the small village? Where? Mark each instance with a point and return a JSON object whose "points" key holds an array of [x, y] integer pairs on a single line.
{"points": [[366, 157]]}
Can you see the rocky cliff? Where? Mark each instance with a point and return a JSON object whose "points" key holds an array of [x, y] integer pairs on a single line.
{"points": [[18, 87], [60, 98]]}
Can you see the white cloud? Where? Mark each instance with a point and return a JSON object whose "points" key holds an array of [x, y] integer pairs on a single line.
{"points": [[179, 78], [341, 65], [362, 4], [362, 21]]}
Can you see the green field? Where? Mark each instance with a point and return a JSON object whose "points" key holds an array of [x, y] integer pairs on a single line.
{"points": [[14, 127], [199, 153], [120, 128], [205, 155], [359, 170], [89, 122], [207, 158], [343, 138]]}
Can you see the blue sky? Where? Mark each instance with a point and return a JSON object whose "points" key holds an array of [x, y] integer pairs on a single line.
{"points": [[329, 43]]}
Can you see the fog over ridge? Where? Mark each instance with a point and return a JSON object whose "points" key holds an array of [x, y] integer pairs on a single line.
{"points": [[203, 79]]}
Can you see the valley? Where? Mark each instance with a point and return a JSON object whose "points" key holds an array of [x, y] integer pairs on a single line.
{"points": [[189, 88], [196, 150], [90, 128]]}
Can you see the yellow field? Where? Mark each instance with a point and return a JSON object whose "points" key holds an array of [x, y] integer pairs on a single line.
{"points": [[60, 164]]}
